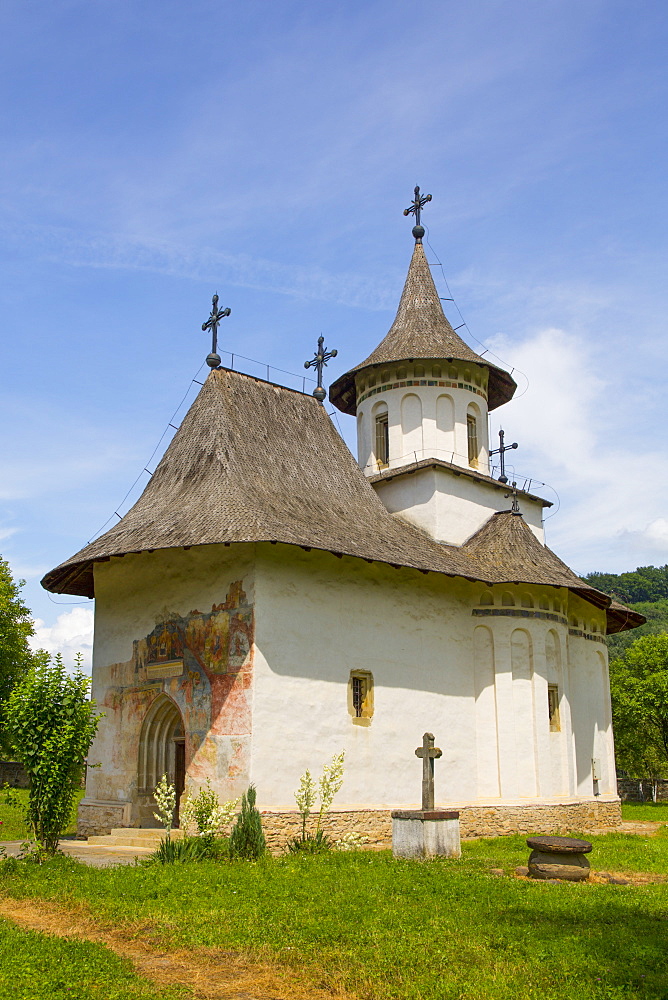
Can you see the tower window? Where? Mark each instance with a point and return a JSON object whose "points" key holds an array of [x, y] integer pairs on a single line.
{"points": [[360, 694], [553, 707], [382, 439], [472, 437]]}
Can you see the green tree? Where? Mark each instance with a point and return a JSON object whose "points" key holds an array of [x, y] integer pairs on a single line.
{"points": [[639, 690], [646, 583], [15, 628], [50, 723], [247, 838]]}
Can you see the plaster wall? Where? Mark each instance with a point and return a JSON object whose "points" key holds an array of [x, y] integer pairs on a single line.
{"points": [[200, 600], [427, 406], [447, 656], [451, 507]]}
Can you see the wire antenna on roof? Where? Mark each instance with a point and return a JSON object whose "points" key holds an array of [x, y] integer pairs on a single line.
{"points": [[213, 322], [415, 208], [319, 361], [501, 452]]}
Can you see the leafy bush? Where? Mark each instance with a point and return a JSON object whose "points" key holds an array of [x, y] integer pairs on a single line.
{"points": [[187, 849], [202, 815], [310, 843], [247, 839], [50, 723]]}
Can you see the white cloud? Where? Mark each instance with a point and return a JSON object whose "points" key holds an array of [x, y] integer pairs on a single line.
{"points": [[71, 633], [575, 435]]}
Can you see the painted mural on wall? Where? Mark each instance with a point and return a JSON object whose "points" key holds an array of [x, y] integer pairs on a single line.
{"points": [[203, 661]]}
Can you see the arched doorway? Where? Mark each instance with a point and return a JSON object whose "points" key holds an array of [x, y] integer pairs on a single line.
{"points": [[162, 750]]}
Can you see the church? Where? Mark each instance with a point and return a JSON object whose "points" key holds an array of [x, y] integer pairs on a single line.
{"points": [[270, 601]]}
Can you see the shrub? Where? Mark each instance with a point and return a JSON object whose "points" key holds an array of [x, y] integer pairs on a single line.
{"points": [[247, 839], [50, 724], [165, 800], [328, 785], [310, 843], [202, 815]]}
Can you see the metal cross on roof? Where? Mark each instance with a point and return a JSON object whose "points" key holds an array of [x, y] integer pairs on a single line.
{"points": [[319, 360], [213, 322], [515, 509], [429, 754], [501, 452], [415, 208]]}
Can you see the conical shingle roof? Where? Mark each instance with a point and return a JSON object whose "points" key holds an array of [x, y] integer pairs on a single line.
{"points": [[421, 330]]}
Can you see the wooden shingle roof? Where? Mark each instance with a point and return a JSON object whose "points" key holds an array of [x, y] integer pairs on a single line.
{"points": [[421, 330], [256, 462]]}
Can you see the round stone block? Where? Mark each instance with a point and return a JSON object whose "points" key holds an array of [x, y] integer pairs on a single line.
{"points": [[559, 845], [572, 866]]}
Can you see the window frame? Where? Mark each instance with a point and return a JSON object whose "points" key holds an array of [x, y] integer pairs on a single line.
{"points": [[553, 713]]}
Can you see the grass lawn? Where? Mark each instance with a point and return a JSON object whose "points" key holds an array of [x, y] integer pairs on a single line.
{"points": [[443, 930], [12, 817], [656, 811], [40, 967]]}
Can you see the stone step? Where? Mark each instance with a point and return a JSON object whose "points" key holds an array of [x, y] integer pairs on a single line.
{"points": [[131, 837]]}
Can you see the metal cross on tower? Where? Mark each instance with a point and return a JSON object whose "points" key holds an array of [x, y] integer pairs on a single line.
{"points": [[515, 509], [501, 451], [415, 208], [213, 322], [429, 754], [319, 360]]}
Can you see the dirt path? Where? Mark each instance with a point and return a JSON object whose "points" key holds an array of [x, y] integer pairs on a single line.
{"points": [[210, 973], [645, 828]]}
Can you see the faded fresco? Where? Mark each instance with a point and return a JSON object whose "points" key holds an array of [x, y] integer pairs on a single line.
{"points": [[203, 661]]}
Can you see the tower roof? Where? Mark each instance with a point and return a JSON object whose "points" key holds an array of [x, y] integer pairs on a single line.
{"points": [[421, 330], [256, 462]]}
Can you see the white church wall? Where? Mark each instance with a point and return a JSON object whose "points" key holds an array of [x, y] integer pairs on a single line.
{"points": [[451, 507], [318, 618], [478, 681]]}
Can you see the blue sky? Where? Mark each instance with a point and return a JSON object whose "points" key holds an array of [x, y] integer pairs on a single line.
{"points": [[155, 152]]}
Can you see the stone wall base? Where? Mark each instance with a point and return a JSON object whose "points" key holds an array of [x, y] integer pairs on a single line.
{"points": [[96, 818], [590, 816]]}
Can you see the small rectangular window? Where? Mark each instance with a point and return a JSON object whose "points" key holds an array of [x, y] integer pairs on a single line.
{"points": [[472, 436], [553, 707], [382, 439], [360, 695]]}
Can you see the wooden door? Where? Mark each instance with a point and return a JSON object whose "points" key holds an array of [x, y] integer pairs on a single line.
{"points": [[179, 773]]}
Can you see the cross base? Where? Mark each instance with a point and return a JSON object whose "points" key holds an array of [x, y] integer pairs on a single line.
{"points": [[425, 833]]}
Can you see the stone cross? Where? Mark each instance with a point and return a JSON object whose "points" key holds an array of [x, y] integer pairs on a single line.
{"points": [[429, 754]]}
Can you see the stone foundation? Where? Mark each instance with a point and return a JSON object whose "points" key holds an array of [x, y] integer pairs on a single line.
{"points": [[475, 821], [591, 816], [96, 817]]}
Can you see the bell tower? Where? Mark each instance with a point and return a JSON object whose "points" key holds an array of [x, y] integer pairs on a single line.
{"points": [[421, 400]]}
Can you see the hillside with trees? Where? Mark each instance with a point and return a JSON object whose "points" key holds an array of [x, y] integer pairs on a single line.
{"points": [[639, 671], [644, 589]]}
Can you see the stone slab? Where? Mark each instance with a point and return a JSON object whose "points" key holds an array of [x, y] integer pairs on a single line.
{"points": [[425, 814], [559, 845]]}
